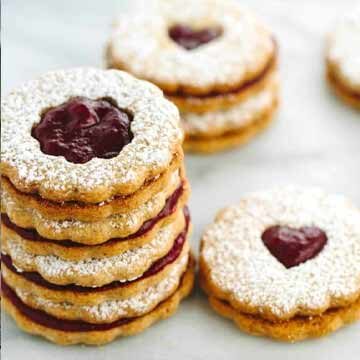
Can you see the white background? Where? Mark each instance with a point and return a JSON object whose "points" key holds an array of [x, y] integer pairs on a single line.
{"points": [[314, 141]]}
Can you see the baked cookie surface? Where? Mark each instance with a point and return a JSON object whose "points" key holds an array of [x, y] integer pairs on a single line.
{"points": [[94, 211], [95, 225], [216, 61], [142, 45], [67, 332], [154, 127], [343, 59], [308, 242]]}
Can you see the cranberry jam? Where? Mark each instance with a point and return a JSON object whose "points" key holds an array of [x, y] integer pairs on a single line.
{"points": [[82, 129], [190, 39], [294, 246]]}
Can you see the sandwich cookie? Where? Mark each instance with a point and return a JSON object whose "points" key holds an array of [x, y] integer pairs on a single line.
{"points": [[214, 60], [95, 224], [284, 263]]}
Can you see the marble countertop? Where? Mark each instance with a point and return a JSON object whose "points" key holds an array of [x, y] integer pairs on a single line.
{"points": [[315, 140]]}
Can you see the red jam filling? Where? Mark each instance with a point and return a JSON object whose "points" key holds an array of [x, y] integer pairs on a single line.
{"points": [[190, 39], [243, 87], [31, 234], [292, 246], [82, 129], [156, 267], [44, 319]]}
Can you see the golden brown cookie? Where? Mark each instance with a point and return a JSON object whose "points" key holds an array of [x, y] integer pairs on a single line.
{"points": [[94, 220], [93, 212], [213, 124], [233, 138], [342, 58], [179, 50], [295, 329], [223, 101], [109, 311], [98, 337], [85, 296], [350, 97], [128, 265], [91, 233], [221, 71], [308, 242], [32, 242], [152, 135]]}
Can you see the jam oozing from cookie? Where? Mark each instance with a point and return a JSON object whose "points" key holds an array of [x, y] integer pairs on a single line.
{"points": [[294, 246], [82, 129], [190, 38]]}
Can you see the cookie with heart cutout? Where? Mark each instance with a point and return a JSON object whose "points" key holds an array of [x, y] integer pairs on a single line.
{"points": [[343, 59], [192, 48], [215, 60], [281, 255]]}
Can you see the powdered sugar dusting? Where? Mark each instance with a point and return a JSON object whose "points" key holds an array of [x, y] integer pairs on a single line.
{"points": [[344, 49], [234, 118], [127, 266], [90, 232], [234, 251], [155, 126], [141, 43], [112, 310]]}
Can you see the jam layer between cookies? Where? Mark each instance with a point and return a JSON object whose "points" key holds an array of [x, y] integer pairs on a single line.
{"points": [[295, 329], [31, 234], [42, 318], [243, 87], [155, 268]]}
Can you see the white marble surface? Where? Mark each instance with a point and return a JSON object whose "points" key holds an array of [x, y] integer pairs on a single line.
{"points": [[315, 140]]}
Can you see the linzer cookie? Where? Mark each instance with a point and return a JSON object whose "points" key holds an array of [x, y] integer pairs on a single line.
{"points": [[284, 263], [343, 59], [94, 219], [214, 60]]}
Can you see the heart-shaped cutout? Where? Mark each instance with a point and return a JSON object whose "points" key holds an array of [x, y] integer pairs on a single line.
{"points": [[190, 38], [292, 246]]}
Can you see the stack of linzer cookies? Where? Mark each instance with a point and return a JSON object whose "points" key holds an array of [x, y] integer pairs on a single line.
{"points": [[94, 233], [94, 220]]}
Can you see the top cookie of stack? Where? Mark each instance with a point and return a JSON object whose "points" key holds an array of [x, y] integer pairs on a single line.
{"points": [[214, 60], [93, 205]]}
